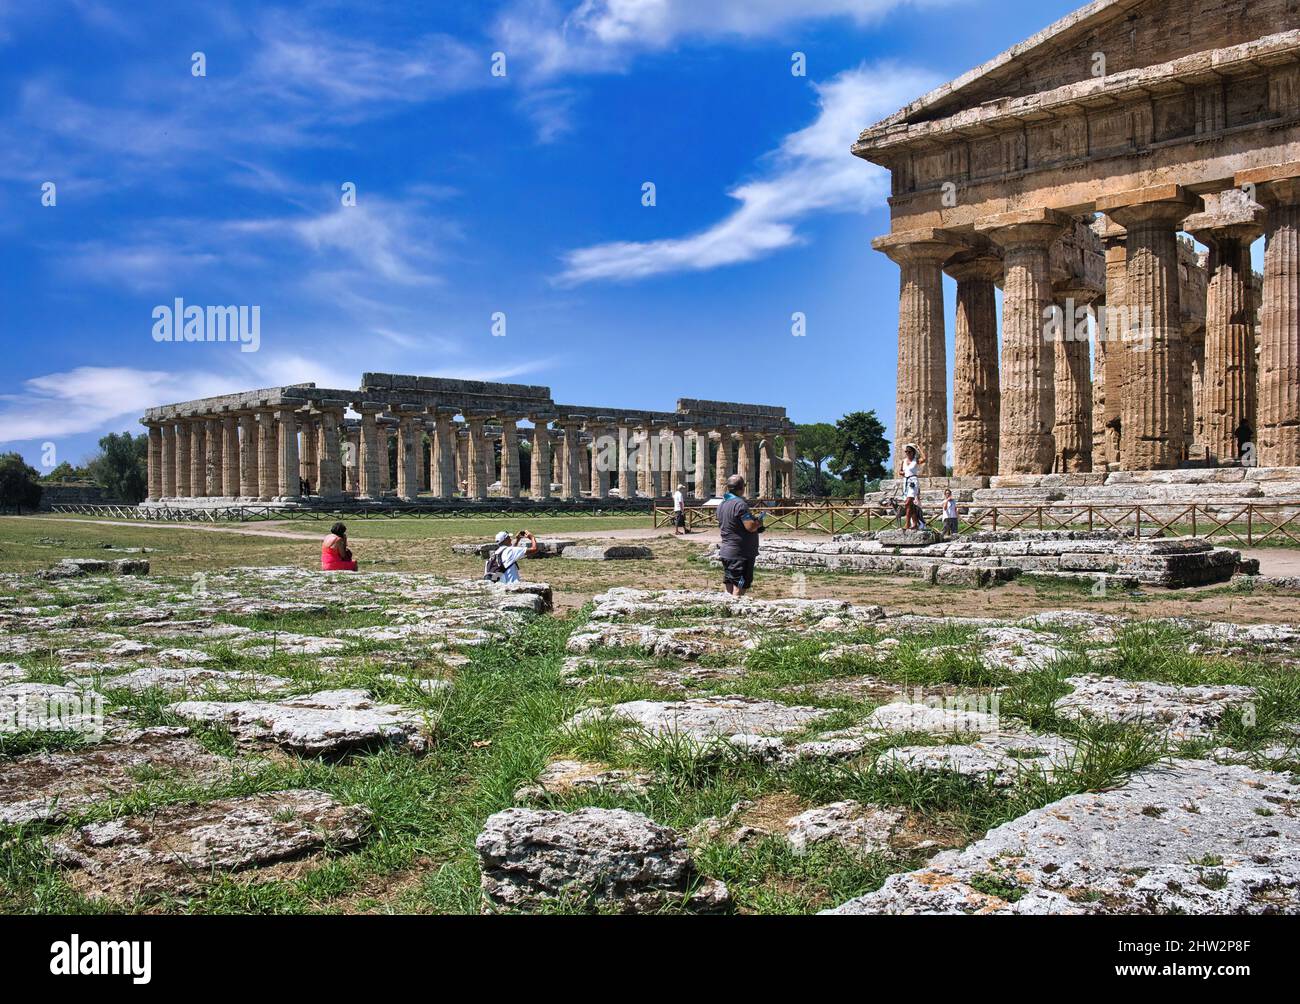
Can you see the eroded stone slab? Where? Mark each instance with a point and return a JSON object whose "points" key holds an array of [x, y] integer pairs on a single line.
{"points": [[178, 680], [564, 777], [1185, 712], [1192, 837], [707, 718], [48, 786], [1002, 758], [609, 858], [180, 848], [328, 723]]}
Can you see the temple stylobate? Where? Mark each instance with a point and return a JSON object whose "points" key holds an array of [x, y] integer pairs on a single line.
{"points": [[1066, 171], [405, 438]]}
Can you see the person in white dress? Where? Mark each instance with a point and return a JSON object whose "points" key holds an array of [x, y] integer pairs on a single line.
{"points": [[909, 470]]}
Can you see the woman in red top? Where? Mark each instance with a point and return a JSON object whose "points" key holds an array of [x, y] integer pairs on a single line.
{"points": [[334, 553]]}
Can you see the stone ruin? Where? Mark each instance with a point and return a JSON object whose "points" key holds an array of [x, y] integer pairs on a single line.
{"points": [[296, 445], [1069, 190], [988, 558]]}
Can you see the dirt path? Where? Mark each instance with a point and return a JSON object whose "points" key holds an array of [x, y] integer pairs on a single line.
{"points": [[1274, 560], [246, 531]]}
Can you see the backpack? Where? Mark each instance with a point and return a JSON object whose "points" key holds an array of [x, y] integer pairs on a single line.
{"points": [[494, 568]]}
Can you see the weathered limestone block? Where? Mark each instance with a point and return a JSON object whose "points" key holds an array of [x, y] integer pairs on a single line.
{"points": [[1191, 838], [1185, 712], [178, 848], [907, 538], [609, 858], [607, 552], [328, 723], [1003, 758], [180, 681], [50, 786], [564, 777], [706, 719]]}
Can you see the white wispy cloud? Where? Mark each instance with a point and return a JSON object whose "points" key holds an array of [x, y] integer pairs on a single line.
{"points": [[810, 172], [556, 38]]}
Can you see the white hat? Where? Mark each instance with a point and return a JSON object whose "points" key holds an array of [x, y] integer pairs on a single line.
{"points": [[502, 537]]}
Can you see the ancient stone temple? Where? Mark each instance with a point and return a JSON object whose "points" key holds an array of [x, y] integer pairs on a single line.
{"points": [[1065, 171], [408, 438]]}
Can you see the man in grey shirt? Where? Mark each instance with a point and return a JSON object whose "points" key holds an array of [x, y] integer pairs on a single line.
{"points": [[740, 530]]}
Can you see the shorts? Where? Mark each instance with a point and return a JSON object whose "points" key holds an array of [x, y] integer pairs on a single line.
{"points": [[679, 517], [738, 572], [950, 526]]}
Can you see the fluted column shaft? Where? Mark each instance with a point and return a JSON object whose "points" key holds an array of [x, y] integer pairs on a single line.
{"points": [[1229, 368], [1152, 419], [268, 456], [676, 460], [791, 458], [199, 457], [1278, 437], [921, 413], [329, 465], [722, 465], [408, 458], [230, 456], [289, 472], [540, 471], [184, 469], [1113, 344], [476, 461], [1028, 415], [154, 464], [369, 463], [766, 488], [1072, 432], [248, 456], [976, 395], [168, 460], [700, 469], [509, 458]]}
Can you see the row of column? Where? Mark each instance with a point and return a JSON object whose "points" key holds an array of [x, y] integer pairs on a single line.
{"points": [[271, 453], [1032, 411]]}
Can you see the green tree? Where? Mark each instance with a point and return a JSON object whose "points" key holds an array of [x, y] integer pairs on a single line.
{"points": [[20, 486], [861, 449], [817, 444], [66, 471], [122, 465]]}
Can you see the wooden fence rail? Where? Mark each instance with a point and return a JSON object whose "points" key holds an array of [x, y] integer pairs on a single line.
{"points": [[1248, 523]]}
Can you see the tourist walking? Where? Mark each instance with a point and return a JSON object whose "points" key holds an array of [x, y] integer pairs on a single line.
{"points": [[909, 470], [949, 514], [739, 530], [679, 511], [503, 563]]}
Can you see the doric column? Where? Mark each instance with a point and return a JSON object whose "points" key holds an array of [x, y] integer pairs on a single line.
{"points": [[571, 470], [383, 455], [329, 466], [168, 460], [408, 458], [723, 464], [584, 465], [184, 468], [1229, 225], [352, 458], [444, 455], [199, 457], [1072, 432], [248, 456], [766, 487], [509, 458], [1152, 420], [424, 451], [213, 466], [476, 464], [745, 457], [1278, 436], [289, 471], [627, 466], [462, 460], [602, 459], [540, 462], [1025, 444], [677, 458], [268, 455], [922, 397], [791, 459], [369, 466], [309, 451], [1112, 345], [700, 470], [230, 456], [976, 396], [154, 462]]}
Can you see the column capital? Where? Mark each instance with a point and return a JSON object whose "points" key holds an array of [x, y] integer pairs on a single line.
{"points": [[1230, 215], [975, 266], [1024, 227], [1161, 204], [928, 245], [1278, 183]]}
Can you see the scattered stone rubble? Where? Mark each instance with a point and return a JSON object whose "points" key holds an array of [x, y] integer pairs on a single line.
{"points": [[611, 858], [988, 558]]}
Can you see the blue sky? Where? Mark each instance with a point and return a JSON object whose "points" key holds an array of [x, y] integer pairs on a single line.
{"points": [[476, 194]]}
